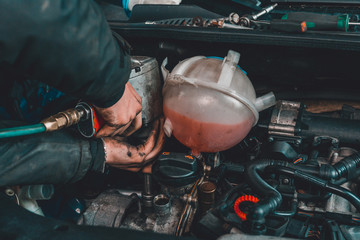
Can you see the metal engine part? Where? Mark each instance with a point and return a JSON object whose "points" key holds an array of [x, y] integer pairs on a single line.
{"points": [[114, 209], [291, 120], [147, 195], [145, 79], [162, 205], [109, 209], [206, 195], [337, 204], [184, 196], [283, 119], [164, 220], [171, 211]]}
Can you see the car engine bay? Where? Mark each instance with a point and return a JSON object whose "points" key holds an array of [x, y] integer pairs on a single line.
{"points": [[291, 168], [282, 185]]}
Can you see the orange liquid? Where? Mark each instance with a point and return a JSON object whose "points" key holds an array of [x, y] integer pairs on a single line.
{"points": [[206, 136]]}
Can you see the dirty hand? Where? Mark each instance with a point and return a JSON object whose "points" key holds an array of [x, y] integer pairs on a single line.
{"points": [[121, 154], [124, 117]]}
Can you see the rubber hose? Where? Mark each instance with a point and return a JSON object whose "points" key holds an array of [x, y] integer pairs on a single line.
{"points": [[303, 196], [340, 191], [233, 190], [271, 197], [309, 197], [290, 213], [22, 130], [228, 199], [344, 180], [345, 168]]}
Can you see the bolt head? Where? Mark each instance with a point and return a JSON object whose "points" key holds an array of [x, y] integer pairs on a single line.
{"points": [[234, 18], [244, 22]]}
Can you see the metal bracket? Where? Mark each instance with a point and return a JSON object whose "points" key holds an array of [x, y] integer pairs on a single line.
{"points": [[283, 118]]}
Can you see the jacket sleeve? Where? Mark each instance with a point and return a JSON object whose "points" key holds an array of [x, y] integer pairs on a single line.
{"points": [[66, 44], [54, 158]]}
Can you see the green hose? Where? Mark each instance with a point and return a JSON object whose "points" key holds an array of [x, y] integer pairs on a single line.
{"points": [[22, 130]]}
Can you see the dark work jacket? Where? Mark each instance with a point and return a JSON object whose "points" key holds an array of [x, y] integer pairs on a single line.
{"points": [[68, 45]]}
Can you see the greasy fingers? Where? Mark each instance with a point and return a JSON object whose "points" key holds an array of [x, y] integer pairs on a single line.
{"points": [[135, 125], [159, 143], [121, 154], [152, 139], [148, 161], [121, 115]]}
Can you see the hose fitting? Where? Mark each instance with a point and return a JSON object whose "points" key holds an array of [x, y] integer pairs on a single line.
{"points": [[62, 119]]}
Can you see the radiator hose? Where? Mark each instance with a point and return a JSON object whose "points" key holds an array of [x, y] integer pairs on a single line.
{"points": [[346, 169], [271, 198], [321, 183]]}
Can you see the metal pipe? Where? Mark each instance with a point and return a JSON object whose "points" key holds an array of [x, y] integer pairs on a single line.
{"points": [[264, 11], [206, 195], [162, 205], [187, 209], [147, 195]]}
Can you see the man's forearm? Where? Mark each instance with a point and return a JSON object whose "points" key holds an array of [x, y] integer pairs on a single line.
{"points": [[57, 157]]}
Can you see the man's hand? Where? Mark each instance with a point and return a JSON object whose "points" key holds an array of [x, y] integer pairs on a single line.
{"points": [[124, 117], [121, 154]]}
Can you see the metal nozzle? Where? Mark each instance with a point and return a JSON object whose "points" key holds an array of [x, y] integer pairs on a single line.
{"points": [[63, 119]]}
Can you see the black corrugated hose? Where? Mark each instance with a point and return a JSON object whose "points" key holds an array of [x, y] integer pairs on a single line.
{"points": [[345, 169]]}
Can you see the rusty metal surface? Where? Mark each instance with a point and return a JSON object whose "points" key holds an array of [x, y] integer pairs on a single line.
{"points": [[145, 78], [283, 118], [114, 209], [156, 223], [109, 209]]}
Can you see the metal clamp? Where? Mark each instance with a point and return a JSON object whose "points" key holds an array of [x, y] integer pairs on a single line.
{"points": [[283, 118]]}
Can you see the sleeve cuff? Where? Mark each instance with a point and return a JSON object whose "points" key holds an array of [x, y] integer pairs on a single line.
{"points": [[125, 63], [98, 156], [112, 101]]}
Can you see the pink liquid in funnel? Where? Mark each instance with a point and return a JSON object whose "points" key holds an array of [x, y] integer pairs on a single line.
{"points": [[206, 136]]}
